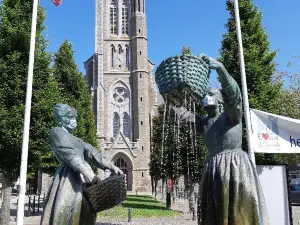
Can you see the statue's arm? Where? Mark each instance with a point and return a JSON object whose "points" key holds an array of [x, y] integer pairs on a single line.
{"points": [[188, 117], [231, 95], [96, 158], [65, 149]]}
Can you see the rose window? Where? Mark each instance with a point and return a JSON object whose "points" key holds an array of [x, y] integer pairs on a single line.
{"points": [[120, 95]]}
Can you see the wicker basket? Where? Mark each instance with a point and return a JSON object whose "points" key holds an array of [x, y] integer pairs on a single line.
{"points": [[181, 77], [109, 193]]}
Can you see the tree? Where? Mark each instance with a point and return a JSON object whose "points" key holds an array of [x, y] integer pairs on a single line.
{"points": [[15, 28], [74, 91], [289, 100], [186, 50], [259, 62], [176, 150]]}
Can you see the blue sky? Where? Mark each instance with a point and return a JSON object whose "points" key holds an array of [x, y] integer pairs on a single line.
{"points": [[173, 24]]}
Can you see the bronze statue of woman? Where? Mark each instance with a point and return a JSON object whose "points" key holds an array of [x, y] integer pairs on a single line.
{"points": [[230, 192], [65, 203]]}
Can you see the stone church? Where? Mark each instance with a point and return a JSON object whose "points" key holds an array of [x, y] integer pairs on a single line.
{"points": [[119, 75]]}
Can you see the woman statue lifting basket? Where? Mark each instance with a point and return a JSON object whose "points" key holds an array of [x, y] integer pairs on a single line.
{"points": [[66, 203], [230, 191]]}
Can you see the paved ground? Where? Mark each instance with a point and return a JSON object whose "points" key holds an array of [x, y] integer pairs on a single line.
{"points": [[181, 205]]}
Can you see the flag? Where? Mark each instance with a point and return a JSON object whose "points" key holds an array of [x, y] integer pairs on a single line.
{"points": [[56, 2]]}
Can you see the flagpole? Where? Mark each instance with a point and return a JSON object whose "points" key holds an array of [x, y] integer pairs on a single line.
{"points": [[24, 157], [244, 82]]}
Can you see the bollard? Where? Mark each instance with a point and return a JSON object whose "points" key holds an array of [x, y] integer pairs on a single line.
{"points": [[194, 218], [29, 205], [38, 208], [33, 206], [129, 215], [168, 200]]}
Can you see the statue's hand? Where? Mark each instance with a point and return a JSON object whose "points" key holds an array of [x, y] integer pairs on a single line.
{"points": [[116, 171], [185, 115], [211, 62], [96, 180]]}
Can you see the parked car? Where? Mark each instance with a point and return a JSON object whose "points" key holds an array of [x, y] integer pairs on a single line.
{"points": [[295, 185]]}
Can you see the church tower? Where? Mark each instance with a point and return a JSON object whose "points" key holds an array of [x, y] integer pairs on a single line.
{"points": [[120, 78]]}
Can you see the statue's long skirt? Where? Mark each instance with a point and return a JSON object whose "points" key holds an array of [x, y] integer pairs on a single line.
{"points": [[230, 192], [65, 203]]}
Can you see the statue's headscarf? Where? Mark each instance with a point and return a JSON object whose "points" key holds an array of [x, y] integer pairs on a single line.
{"points": [[63, 110]]}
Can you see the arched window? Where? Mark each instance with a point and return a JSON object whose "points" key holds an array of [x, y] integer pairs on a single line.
{"points": [[124, 17], [120, 110], [113, 50], [113, 17], [120, 49], [121, 163], [126, 125], [116, 124], [134, 6], [127, 56], [139, 5]]}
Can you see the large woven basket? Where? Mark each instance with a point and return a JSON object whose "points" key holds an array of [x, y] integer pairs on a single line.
{"points": [[108, 194], [181, 77]]}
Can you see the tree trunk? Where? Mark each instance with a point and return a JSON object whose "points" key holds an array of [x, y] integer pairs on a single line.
{"points": [[173, 193], [191, 194], [5, 208], [155, 186], [162, 188], [190, 189]]}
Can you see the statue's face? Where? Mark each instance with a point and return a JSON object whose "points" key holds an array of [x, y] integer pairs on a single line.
{"points": [[211, 98], [70, 123]]}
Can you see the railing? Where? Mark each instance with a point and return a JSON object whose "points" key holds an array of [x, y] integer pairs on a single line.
{"points": [[35, 204]]}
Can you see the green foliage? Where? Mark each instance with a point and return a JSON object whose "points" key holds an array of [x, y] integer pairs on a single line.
{"points": [[289, 100], [176, 149], [259, 63], [186, 50], [15, 29], [74, 92]]}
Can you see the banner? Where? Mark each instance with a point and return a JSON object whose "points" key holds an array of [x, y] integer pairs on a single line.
{"points": [[274, 134]]}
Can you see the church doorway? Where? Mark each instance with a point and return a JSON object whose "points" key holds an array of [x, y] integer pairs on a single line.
{"points": [[124, 163]]}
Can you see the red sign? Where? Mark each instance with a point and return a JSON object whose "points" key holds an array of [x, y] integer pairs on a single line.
{"points": [[170, 184]]}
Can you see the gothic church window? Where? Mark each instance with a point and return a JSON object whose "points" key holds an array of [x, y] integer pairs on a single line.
{"points": [[139, 5], [113, 17], [120, 49], [116, 124], [127, 56], [134, 7], [126, 124], [120, 110], [124, 17], [143, 6], [121, 163], [120, 95], [113, 50]]}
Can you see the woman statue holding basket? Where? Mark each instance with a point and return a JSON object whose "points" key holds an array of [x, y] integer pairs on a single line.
{"points": [[230, 192], [66, 203]]}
